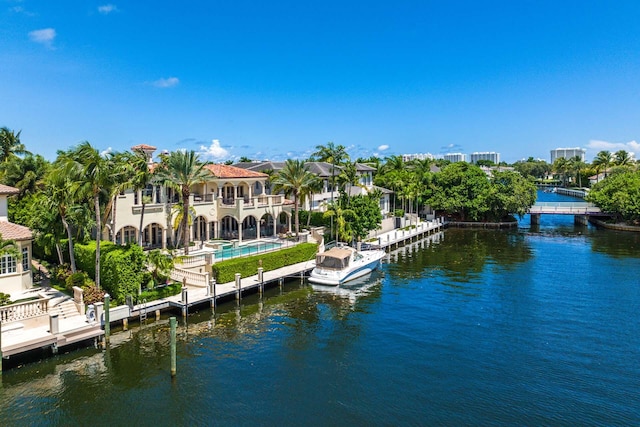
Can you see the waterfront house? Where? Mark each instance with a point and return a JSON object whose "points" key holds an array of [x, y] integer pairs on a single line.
{"points": [[15, 272], [233, 204], [326, 172]]}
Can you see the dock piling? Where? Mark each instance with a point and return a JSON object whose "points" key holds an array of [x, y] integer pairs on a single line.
{"points": [[261, 279], [172, 323], [107, 322], [185, 302], [238, 286]]}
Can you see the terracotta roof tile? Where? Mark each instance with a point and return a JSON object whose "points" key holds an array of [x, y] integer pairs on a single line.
{"points": [[5, 189], [227, 171], [11, 231], [143, 147]]}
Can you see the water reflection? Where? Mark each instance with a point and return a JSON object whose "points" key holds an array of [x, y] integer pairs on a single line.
{"points": [[463, 255]]}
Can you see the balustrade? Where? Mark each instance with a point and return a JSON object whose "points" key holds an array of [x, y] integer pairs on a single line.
{"points": [[24, 310]]}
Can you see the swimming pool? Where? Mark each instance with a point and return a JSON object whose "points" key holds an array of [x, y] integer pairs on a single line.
{"points": [[228, 251]]}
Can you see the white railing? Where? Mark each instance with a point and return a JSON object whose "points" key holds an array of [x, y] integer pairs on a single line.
{"points": [[24, 310], [190, 261], [192, 278], [575, 208]]}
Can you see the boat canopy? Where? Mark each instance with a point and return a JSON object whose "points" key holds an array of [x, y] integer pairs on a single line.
{"points": [[336, 258]]}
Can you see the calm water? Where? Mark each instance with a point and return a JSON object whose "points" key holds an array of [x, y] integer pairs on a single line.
{"points": [[528, 327]]}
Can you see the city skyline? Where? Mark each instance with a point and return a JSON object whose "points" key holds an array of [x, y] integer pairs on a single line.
{"points": [[272, 81]]}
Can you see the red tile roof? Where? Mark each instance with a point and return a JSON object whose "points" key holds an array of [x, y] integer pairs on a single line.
{"points": [[5, 189], [143, 147], [227, 171], [11, 231]]}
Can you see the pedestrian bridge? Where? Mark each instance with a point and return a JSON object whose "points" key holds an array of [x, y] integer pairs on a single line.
{"points": [[580, 210], [565, 208]]}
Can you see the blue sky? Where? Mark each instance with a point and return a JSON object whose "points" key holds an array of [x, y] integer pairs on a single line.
{"points": [[271, 80]]}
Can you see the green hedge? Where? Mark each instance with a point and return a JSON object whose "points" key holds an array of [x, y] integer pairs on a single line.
{"points": [[160, 292], [85, 254], [225, 271], [121, 267], [121, 271]]}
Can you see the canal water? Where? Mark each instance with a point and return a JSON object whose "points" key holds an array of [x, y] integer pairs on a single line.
{"points": [[535, 326]]}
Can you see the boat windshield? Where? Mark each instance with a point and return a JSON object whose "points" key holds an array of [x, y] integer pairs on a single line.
{"points": [[335, 258]]}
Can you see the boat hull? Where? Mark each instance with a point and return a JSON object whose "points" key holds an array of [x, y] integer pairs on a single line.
{"points": [[329, 277]]}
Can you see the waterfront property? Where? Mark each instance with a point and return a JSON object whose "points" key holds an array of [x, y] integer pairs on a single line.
{"points": [[327, 173], [233, 204], [54, 321], [535, 326], [15, 271]]}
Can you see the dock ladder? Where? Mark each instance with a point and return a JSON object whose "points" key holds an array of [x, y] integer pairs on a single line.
{"points": [[143, 311]]}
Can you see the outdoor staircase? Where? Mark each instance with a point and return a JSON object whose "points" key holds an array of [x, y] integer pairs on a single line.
{"points": [[64, 307]]}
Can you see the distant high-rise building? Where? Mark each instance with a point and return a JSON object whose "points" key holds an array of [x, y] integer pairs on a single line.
{"points": [[454, 157], [486, 155], [567, 153], [417, 156]]}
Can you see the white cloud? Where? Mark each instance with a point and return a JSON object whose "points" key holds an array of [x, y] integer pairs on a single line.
{"points": [[214, 151], [22, 10], [165, 83], [106, 152], [44, 36], [631, 146], [107, 9], [383, 147]]}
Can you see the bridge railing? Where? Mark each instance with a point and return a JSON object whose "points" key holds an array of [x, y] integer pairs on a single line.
{"points": [[576, 208]]}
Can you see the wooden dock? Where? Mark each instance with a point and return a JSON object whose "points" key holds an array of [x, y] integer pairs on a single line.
{"points": [[53, 333]]}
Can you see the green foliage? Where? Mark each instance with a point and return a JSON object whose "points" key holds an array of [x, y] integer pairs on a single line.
{"points": [[619, 194], [121, 267], [122, 271], [398, 213], [511, 194], [86, 255], [160, 265], [225, 271], [317, 219], [80, 279], [160, 292], [59, 274], [364, 215], [4, 299], [465, 193], [92, 294]]}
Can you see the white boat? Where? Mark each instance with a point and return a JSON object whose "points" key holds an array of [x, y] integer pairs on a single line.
{"points": [[343, 263]]}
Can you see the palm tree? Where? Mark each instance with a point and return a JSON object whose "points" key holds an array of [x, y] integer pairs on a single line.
{"points": [[315, 186], [576, 164], [181, 170], [348, 177], [123, 172], [561, 167], [295, 179], [59, 198], [334, 154], [10, 144], [159, 264], [91, 174], [26, 173], [140, 177], [603, 159], [175, 218], [623, 158]]}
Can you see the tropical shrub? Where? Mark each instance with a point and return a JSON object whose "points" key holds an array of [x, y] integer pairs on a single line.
{"points": [[122, 271]]}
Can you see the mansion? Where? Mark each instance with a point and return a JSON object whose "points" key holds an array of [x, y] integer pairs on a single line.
{"points": [[235, 203]]}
